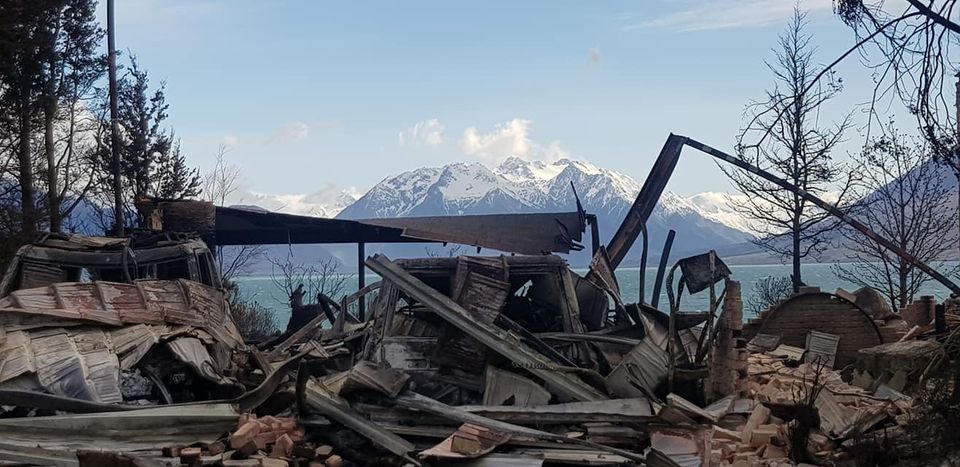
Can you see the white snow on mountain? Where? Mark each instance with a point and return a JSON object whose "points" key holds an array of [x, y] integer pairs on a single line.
{"points": [[517, 185], [719, 207], [326, 202]]}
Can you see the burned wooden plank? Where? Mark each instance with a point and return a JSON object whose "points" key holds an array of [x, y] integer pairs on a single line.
{"points": [[412, 400], [491, 336], [338, 409]]}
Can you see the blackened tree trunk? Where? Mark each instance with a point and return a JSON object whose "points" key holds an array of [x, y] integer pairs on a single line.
{"points": [[785, 136], [49, 148], [25, 167], [797, 278]]}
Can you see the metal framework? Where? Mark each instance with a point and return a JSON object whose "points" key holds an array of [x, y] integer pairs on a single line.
{"points": [[662, 170]]}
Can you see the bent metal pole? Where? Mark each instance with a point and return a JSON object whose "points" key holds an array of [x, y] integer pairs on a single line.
{"points": [[826, 207]]}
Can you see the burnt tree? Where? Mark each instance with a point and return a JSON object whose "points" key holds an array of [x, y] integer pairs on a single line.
{"points": [[793, 145], [905, 198]]}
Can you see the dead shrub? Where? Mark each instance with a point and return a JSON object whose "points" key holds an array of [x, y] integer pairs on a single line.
{"points": [[253, 319]]}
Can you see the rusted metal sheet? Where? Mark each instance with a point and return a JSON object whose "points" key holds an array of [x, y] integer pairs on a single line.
{"points": [[76, 338], [367, 375], [143, 302], [697, 274], [192, 352], [532, 234], [483, 296]]}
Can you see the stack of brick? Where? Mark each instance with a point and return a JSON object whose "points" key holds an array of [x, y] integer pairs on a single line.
{"points": [[257, 442], [921, 312], [728, 357]]}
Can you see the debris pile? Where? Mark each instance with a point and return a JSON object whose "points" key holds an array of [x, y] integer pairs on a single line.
{"points": [[125, 352]]}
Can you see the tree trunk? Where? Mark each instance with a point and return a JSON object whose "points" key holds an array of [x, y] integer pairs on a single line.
{"points": [[26, 171], [53, 194], [797, 280], [902, 273]]}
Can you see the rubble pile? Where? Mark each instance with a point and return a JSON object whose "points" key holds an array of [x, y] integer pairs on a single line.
{"points": [[469, 360]]}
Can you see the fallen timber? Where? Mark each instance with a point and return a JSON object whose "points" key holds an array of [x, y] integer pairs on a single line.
{"points": [[487, 360]]}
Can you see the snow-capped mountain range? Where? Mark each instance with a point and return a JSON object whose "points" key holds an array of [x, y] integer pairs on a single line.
{"points": [[516, 186]]}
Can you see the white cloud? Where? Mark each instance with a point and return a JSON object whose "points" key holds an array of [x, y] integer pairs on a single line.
{"points": [[425, 133], [506, 139], [297, 131], [230, 141], [291, 132], [509, 139], [727, 14], [593, 58]]}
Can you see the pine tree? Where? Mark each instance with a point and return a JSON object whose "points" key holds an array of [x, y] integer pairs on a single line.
{"points": [[173, 179]]}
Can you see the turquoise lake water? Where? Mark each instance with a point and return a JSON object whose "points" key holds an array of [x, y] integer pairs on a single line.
{"points": [[262, 289]]}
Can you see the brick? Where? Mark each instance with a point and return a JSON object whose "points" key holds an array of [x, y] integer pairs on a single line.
{"points": [[241, 463], [322, 452], [283, 447], [216, 448], [188, 454], [763, 435], [171, 451], [245, 434]]}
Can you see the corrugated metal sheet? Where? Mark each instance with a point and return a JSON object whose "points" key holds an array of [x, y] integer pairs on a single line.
{"points": [[643, 367], [76, 338], [143, 302], [822, 347], [82, 362]]}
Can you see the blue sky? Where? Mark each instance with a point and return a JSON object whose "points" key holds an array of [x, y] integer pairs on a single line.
{"points": [[312, 94]]}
